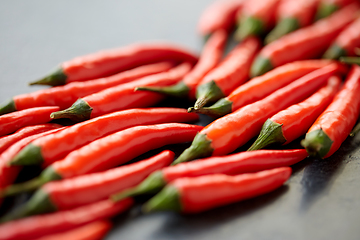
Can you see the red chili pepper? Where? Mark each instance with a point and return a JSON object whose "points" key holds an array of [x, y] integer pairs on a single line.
{"points": [[256, 17], [64, 96], [123, 96], [7, 141], [327, 7], [305, 43], [38, 226], [91, 231], [12, 122], [227, 133], [192, 195], [346, 43], [49, 149], [333, 126], [293, 122], [110, 151], [106, 63], [259, 87], [89, 188], [292, 15], [221, 14], [243, 162], [229, 74], [209, 58]]}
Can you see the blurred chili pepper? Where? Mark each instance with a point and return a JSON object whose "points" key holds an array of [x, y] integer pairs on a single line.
{"points": [[106, 63], [328, 7]]}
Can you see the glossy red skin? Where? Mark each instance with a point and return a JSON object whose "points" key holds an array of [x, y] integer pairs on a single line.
{"points": [[106, 63], [121, 147], [210, 56], [297, 119], [235, 129], [7, 141], [206, 192], [243, 162], [349, 39], [65, 96], [91, 231], [42, 225], [12, 122], [221, 14], [94, 187], [58, 145], [304, 10], [8, 173], [263, 10], [234, 69], [260, 87], [311, 41], [124, 97], [340, 116]]}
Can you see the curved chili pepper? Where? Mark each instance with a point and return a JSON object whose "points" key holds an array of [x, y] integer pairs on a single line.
{"points": [[89, 188], [7, 141], [106, 63], [305, 43], [293, 122], [292, 15], [123, 96], [209, 58], [221, 14], [11, 122], [229, 74], [38, 226], [243, 162], [333, 126], [49, 149], [328, 7], [91, 231], [192, 195], [110, 151], [64, 96], [227, 133], [259, 87], [346, 43], [257, 16]]}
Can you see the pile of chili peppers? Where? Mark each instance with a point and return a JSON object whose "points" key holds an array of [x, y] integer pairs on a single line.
{"points": [[95, 166]]}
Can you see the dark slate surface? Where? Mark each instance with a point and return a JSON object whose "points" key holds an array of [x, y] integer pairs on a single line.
{"points": [[320, 201]]}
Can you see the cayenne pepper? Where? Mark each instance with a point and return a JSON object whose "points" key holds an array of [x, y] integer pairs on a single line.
{"points": [[305, 43], [49, 149], [333, 126], [42, 225], [209, 58], [64, 96], [89, 188], [227, 133], [106, 63], [293, 122], [243, 162], [110, 151], [123, 96], [193, 195]]}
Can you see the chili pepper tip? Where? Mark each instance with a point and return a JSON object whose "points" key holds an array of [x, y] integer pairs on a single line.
{"points": [[249, 26], [260, 66], [350, 60], [29, 155], [206, 93], [7, 107], [355, 130], [219, 109], [317, 143], [334, 52], [284, 27], [271, 132], [152, 184], [56, 78], [178, 90], [166, 200], [78, 112], [200, 147], [325, 10]]}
